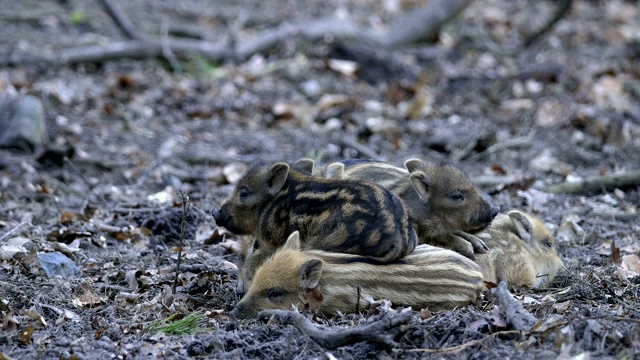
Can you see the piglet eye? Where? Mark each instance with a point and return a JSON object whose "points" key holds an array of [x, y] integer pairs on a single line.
{"points": [[548, 244], [456, 195], [243, 193], [275, 294]]}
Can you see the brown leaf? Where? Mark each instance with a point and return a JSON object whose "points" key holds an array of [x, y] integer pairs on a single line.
{"points": [[26, 334], [67, 217], [614, 258], [217, 236], [32, 313], [490, 285], [313, 299], [425, 314]]}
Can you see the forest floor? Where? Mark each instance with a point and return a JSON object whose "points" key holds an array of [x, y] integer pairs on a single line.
{"points": [[565, 108]]}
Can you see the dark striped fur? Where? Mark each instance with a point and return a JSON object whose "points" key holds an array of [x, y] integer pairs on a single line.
{"points": [[331, 214]]}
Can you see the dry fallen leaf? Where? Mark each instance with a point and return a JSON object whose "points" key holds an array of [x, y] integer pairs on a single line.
{"points": [[631, 265], [344, 67], [614, 258], [313, 299], [425, 314], [13, 246], [562, 307], [26, 334], [32, 313]]}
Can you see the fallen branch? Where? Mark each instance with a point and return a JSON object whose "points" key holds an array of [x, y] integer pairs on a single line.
{"points": [[515, 314], [383, 331], [413, 26], [597, 183]]}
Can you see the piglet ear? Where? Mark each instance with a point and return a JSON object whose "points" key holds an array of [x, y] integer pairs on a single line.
{"points": [[310, 273], [293, 242], [414, 164], [335, 171], [276, 177], [524, 229], [421, 183], [304, 165]]}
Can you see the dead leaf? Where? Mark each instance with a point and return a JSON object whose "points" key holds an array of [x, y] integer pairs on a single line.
{"points": [[425, 314], [26, 334], [4, 357], [630, 264], [546, 162], [13, 246], [231, 246], [631, 249], [344, 67], [32, 313], [67, 217], [216, 236], [10, 322], [614, 258], [562, 307], [67, 249], [328, 101], [313, 299], [167, 196], [87, 298], [131, 277]]}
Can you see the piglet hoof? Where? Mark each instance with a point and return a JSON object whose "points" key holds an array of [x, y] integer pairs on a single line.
{"points": [[479, 247]]}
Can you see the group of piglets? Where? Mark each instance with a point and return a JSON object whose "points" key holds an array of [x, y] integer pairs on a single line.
{"points": [[334, 238]]}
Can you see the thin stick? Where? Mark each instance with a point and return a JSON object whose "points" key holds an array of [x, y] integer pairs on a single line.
{"points": [[360, 148], [456, 349], [596, 183], [183, 222], [84, 179], [8, 233]]}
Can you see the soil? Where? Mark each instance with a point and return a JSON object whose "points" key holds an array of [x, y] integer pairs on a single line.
{"points": [[145, 136]]}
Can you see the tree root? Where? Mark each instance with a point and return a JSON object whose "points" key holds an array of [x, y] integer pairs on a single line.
{"points": [[383, 331]]}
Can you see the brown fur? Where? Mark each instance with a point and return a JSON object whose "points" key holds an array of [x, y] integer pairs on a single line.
{"points": [[428, 277], [444, 205], [271, 201], [523, 251]]}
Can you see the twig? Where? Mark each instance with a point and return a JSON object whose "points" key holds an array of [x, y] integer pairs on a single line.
{"points": [[166, 49], [562, 9], [183, 223], [382, 331], [360, 148], [520, 141], [455, 349], [123, 21], [595, 183], [8, 233], [86, 182]]}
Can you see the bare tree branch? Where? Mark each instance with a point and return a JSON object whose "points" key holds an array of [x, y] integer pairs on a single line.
{"points": [[414, 26], [597, 183], [383, 331]]}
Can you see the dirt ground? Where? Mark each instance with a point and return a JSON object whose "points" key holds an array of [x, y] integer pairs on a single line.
{"points": [[566, 108]]}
